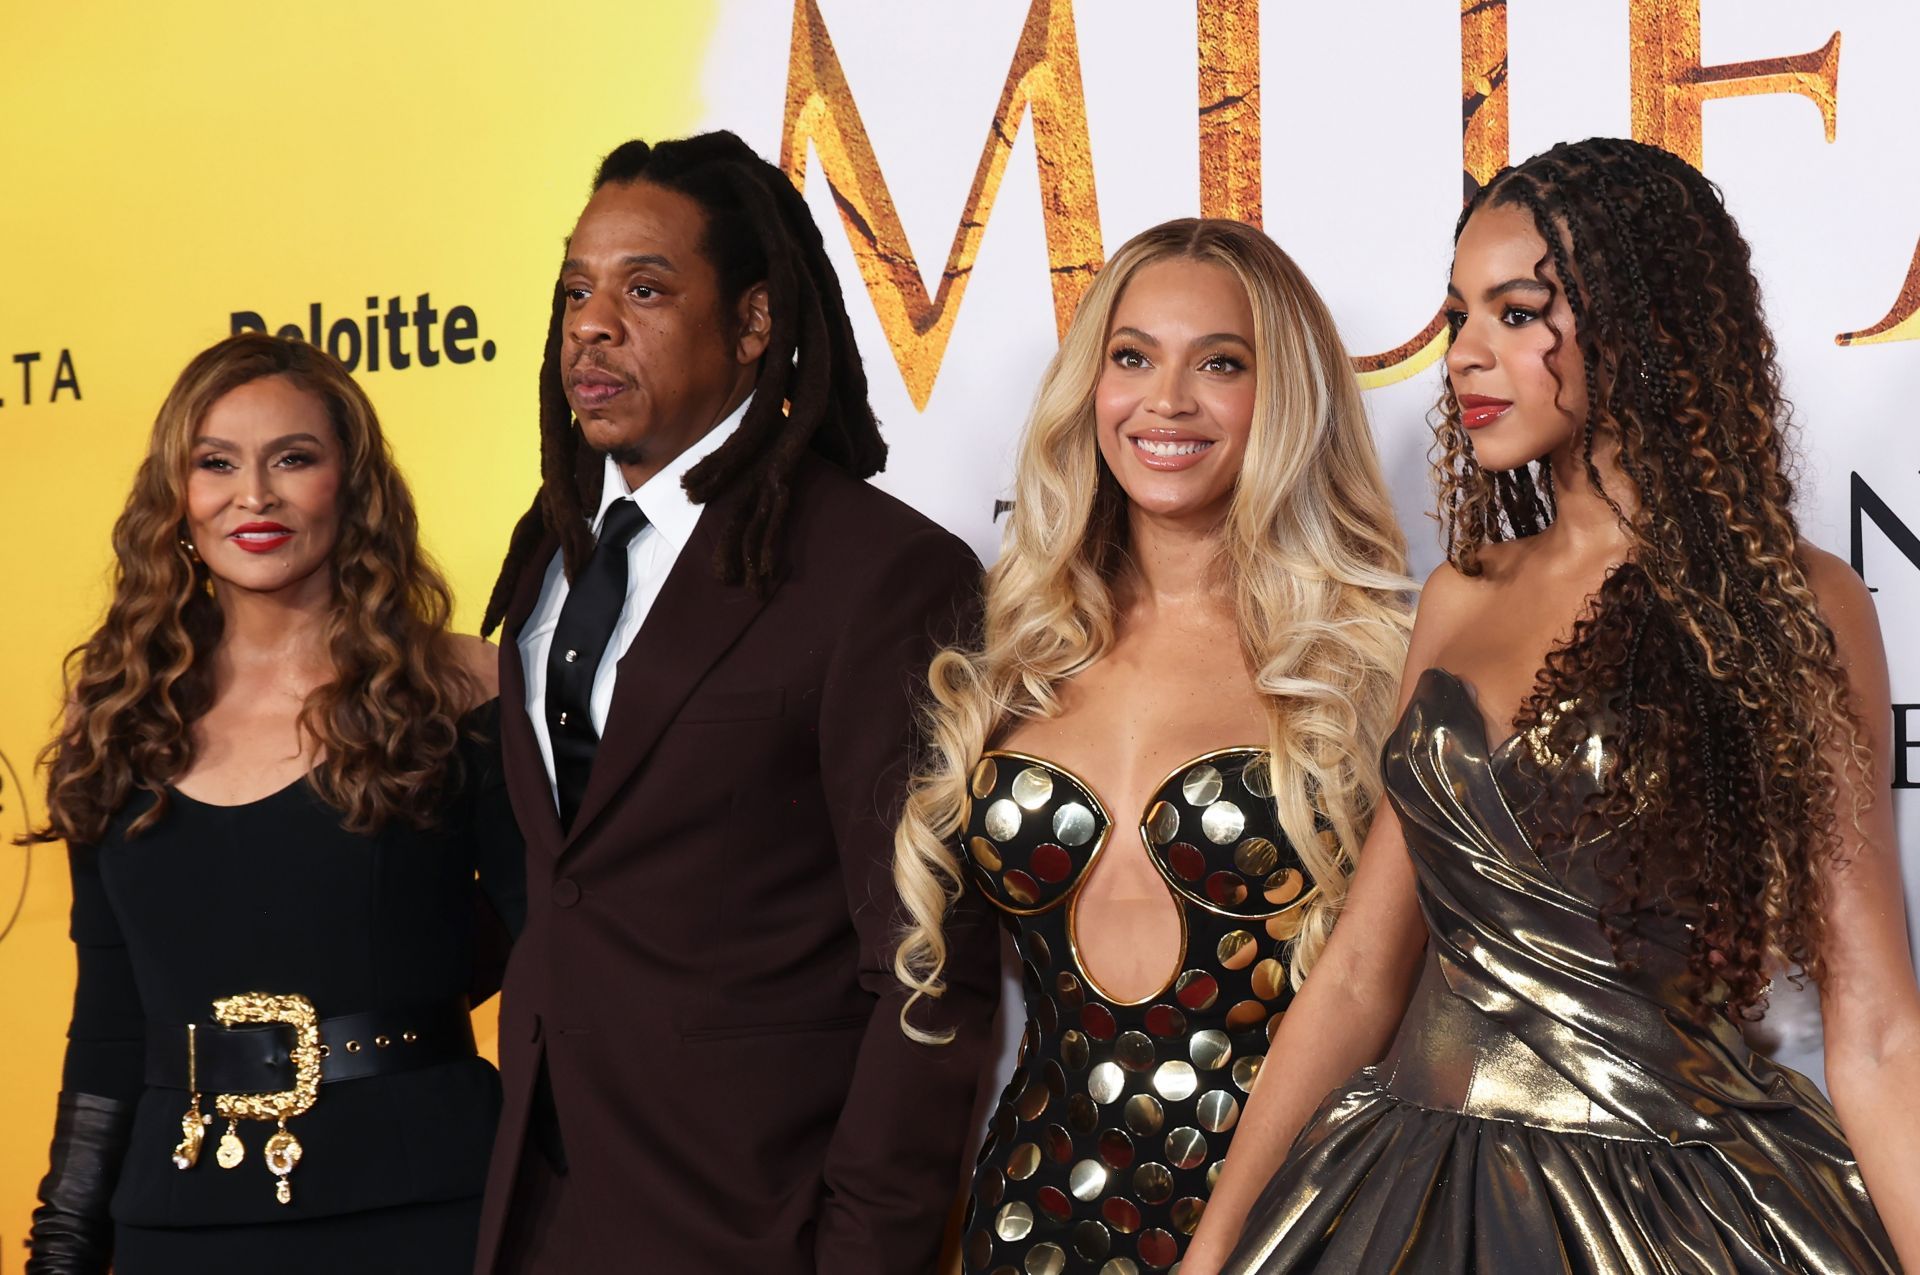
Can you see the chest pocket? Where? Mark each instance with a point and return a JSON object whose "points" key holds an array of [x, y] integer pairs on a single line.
{"points": [[1030, 831]]}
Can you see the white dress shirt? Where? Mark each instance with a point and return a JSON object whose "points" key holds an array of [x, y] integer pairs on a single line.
{"points": [[671, 517]]}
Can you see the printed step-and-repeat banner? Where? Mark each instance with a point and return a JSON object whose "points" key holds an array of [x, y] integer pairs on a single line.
{"points": [[394, 182]]}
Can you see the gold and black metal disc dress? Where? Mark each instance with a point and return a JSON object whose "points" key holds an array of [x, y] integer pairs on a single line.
{"points": [[1111, 1132], [1542, 1109]]}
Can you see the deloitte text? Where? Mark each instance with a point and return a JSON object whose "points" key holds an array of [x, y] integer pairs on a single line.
{"points": [[416, 337]]}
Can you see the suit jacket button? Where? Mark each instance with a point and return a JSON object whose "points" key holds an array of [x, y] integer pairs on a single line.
{"points": [[566, 892]]}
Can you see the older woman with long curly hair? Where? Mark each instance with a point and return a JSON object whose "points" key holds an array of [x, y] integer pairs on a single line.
{"points": [[1641, 767], [275, 787]]}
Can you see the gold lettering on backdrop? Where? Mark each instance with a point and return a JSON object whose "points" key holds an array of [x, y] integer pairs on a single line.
{"points": [[1903, 320], [1670, 85], [1229, 38], [1044, 80], [1483, 152]]}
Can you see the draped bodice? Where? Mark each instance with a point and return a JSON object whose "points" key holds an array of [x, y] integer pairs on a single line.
{"points": [[1524, 1012]]}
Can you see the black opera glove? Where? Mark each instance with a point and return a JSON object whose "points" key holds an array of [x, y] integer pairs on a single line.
{"points": [[72, 1233]]}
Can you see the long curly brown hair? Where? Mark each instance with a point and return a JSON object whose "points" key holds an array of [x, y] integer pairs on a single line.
{"points": [[1708, 639], [386, 727]]}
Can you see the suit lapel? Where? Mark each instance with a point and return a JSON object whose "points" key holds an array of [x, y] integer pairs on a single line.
{"points": [[692, 622], [527, 782]]}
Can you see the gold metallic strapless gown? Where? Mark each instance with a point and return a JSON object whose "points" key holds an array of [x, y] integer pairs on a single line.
{"points": [[1542, 1110]]}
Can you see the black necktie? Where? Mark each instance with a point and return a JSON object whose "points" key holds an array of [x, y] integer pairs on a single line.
{"points": [[580, 639]]}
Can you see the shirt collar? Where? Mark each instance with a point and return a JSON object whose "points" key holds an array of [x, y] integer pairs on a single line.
{"points": [[662, 498]]}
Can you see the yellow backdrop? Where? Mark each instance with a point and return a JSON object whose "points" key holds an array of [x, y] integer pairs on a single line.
{"points": [[168, 165]]}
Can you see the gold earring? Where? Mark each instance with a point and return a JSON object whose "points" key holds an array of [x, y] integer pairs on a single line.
{"points": [[192, 552]]}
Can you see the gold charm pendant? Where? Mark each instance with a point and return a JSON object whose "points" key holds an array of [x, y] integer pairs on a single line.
{"points": [[232, 1151], [193, 1125], [193, 1130], [283, 1153]]}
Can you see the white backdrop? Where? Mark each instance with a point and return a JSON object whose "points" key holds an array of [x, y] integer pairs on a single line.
{"points": [[1361, 155]]}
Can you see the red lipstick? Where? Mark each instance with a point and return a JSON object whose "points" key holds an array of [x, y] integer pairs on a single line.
{"points": [[260, 537], [1477, 410]]}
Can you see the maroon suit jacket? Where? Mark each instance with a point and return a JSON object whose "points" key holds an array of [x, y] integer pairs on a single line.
{"points": [[706, 966]]}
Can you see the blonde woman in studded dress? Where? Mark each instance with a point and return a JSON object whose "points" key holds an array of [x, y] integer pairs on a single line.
{"points": [[1158, 760]]}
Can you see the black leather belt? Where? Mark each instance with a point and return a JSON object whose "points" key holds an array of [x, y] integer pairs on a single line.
{"points": [[253, 1059]]}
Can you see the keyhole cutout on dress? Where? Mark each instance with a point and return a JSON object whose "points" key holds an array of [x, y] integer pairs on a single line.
{"points": [[1128, 931]]}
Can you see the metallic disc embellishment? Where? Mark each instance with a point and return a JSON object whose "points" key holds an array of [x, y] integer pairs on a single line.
{"points": [[1226, 889], [985, 776], [984, 854], [1158, 1249], [1059, 1144], [1258, 777], [1106, 1082], [1032, 788], [1087, 1180], [1069, 992], [1024, 1161], [1120, 1266], [1201, 787], [1134, 1051], [1236, 949], [1098, 1020], [1163, 823], [1186, 861], [1143, 1114], [1284, 886], [1153, 1183], [1217, 1111], [1047, 1015], [1056, 1079], [1073, 824], [1165, 1021], [1287, 925], [1175, 1080], [1003, 820], [1122, 1214], [1054, 1203], [1037, 950], [1273, 1027], [1196, 989], [1073, 1049], [1050, 863], [1014, 1221], [1091, 1241], [1213, 1174], [1246, 1015], [1246, 1071], [1210, 1049], [1269, 979], [1021, 888], [1186, 1214], [1256, 856], [1045, 1259], [1033, 1101], [1186, 1148], [993, 1186], [979, 1250], [1222, 822], [1082, 1116], [1116, 1149]]}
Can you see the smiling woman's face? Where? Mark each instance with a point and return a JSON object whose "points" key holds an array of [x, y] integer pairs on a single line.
{"points": [[1174, 403]]}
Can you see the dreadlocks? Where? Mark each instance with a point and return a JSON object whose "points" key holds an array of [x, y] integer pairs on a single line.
{"points": [[810, 392], [1708, 638]]}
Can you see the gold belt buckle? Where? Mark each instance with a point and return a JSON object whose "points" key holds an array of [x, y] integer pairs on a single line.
{"points": [[283, 1150]]}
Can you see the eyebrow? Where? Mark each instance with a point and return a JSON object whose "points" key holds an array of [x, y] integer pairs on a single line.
{"points": [[1211, 338], [633, 261], [1511, 285], [285, 440]]}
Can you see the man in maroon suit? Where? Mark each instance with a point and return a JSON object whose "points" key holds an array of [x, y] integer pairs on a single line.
{"points": [[714, 633]]}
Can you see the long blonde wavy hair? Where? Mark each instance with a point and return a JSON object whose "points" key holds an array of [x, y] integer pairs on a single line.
{"points": [[1310, 544], [386, 727]]}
